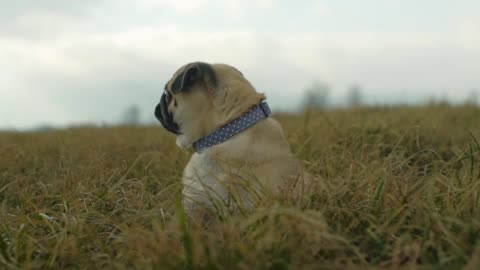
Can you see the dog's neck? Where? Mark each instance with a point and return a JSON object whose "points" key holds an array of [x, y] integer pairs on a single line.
{"points": [[218, 136]]}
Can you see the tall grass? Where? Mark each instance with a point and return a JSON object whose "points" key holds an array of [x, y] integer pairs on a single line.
{"points": [[394, 188]]}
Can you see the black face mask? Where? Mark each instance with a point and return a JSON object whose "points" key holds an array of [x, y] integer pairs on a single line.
{"points": [[166, 118]]}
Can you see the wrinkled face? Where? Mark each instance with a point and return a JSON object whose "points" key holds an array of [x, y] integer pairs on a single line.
{"points": [[202, 97], [164, 115], [185, 84]]}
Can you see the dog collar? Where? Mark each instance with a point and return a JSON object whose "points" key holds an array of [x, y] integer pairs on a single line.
{"points": [[231, 129]]}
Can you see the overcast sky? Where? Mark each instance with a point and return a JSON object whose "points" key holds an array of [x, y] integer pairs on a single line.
{"points": [[67, 62]]}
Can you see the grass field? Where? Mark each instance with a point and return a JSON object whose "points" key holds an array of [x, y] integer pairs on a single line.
{"points": [[395, 188]]}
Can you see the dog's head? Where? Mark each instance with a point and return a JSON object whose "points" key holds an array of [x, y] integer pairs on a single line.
{"points": [[202, 97]]}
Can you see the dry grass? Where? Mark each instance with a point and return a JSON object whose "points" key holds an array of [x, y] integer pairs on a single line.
{"points": [[396, 188]]}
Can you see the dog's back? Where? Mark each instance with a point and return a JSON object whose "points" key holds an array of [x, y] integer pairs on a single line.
{"points": [[249, 166]]}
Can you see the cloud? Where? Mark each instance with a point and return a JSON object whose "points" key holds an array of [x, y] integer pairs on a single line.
{"points": [[34, 20], [69, 63], [73, 8], [184, 6], [468, 32], [321, 8], [30, 109]]}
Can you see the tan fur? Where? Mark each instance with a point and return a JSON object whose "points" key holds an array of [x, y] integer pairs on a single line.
{"points": [[256, 160]]}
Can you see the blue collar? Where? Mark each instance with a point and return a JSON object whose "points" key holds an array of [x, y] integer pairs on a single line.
{"points": [[231, 129]]}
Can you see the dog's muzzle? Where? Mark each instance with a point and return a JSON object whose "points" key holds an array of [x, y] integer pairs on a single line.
{"points": [[164, 116]]}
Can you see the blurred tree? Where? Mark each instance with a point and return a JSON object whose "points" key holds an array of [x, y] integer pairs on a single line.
{"points": [[472, 98], [132, 115], [316, 96], [354, 95]]}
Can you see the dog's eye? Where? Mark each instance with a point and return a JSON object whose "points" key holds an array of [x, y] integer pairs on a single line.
{"points": [[167, 97]]}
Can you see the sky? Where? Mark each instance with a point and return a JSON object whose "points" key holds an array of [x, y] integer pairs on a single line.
{"points": [[72, 62]]}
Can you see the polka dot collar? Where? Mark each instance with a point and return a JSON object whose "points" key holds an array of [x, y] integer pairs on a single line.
{"points": [[231, 129]]}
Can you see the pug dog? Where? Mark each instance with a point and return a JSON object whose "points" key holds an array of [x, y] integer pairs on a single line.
{"points": [[241, 153]]}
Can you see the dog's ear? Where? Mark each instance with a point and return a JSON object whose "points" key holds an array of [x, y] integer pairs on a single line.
{"points": [[238, 71], [192, 74]]}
